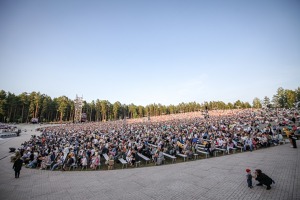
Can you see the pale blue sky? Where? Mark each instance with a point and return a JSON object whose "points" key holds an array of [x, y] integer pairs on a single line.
{"points": [[154, 51]]}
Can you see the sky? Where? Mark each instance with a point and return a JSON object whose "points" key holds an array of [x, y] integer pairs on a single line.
{"points": [[144, 52]]}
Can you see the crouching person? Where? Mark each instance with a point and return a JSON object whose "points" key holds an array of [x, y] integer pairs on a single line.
{"points": [[263, 179]]}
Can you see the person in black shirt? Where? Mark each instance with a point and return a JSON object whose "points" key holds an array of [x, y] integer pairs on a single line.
{"points": [[263, 179], [17, 167], [293, 139]]}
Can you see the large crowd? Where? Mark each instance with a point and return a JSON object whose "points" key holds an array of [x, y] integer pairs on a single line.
{"points": [[84, 145], [8, 128]]}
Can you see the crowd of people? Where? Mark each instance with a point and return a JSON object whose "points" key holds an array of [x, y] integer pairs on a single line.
{"points": [[8, 128], [84, 144]]}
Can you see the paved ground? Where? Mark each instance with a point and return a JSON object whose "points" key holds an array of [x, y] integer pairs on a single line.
{"points": [[215, 178]]}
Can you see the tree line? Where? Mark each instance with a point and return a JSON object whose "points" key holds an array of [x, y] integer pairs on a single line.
{"points": [[21, 108]]}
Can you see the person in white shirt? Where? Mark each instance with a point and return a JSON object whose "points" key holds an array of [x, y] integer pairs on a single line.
{"points": [[248, 142], [66, 152], [84, 161]]}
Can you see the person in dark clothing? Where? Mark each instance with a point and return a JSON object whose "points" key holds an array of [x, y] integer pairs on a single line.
{"points": [[133, 157], [294, 120], [31, 157], [263, 179], [105, 150], [293, 138], [17, 167], [208, 148]]}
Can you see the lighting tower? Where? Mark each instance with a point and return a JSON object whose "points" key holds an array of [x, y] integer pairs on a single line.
{"points": [[78, 109]]}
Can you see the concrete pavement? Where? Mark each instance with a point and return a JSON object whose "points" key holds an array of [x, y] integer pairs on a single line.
{"points": [[223, 177]]}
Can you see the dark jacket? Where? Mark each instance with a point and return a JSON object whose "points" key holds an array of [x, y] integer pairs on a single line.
{"points": [[18, 165], [264, 179]]}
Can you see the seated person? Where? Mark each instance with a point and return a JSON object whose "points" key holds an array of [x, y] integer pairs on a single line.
{"points": [[45, 161], [248, 144], [69, 162], [83, 161], [159, 157], [59, 161]]}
